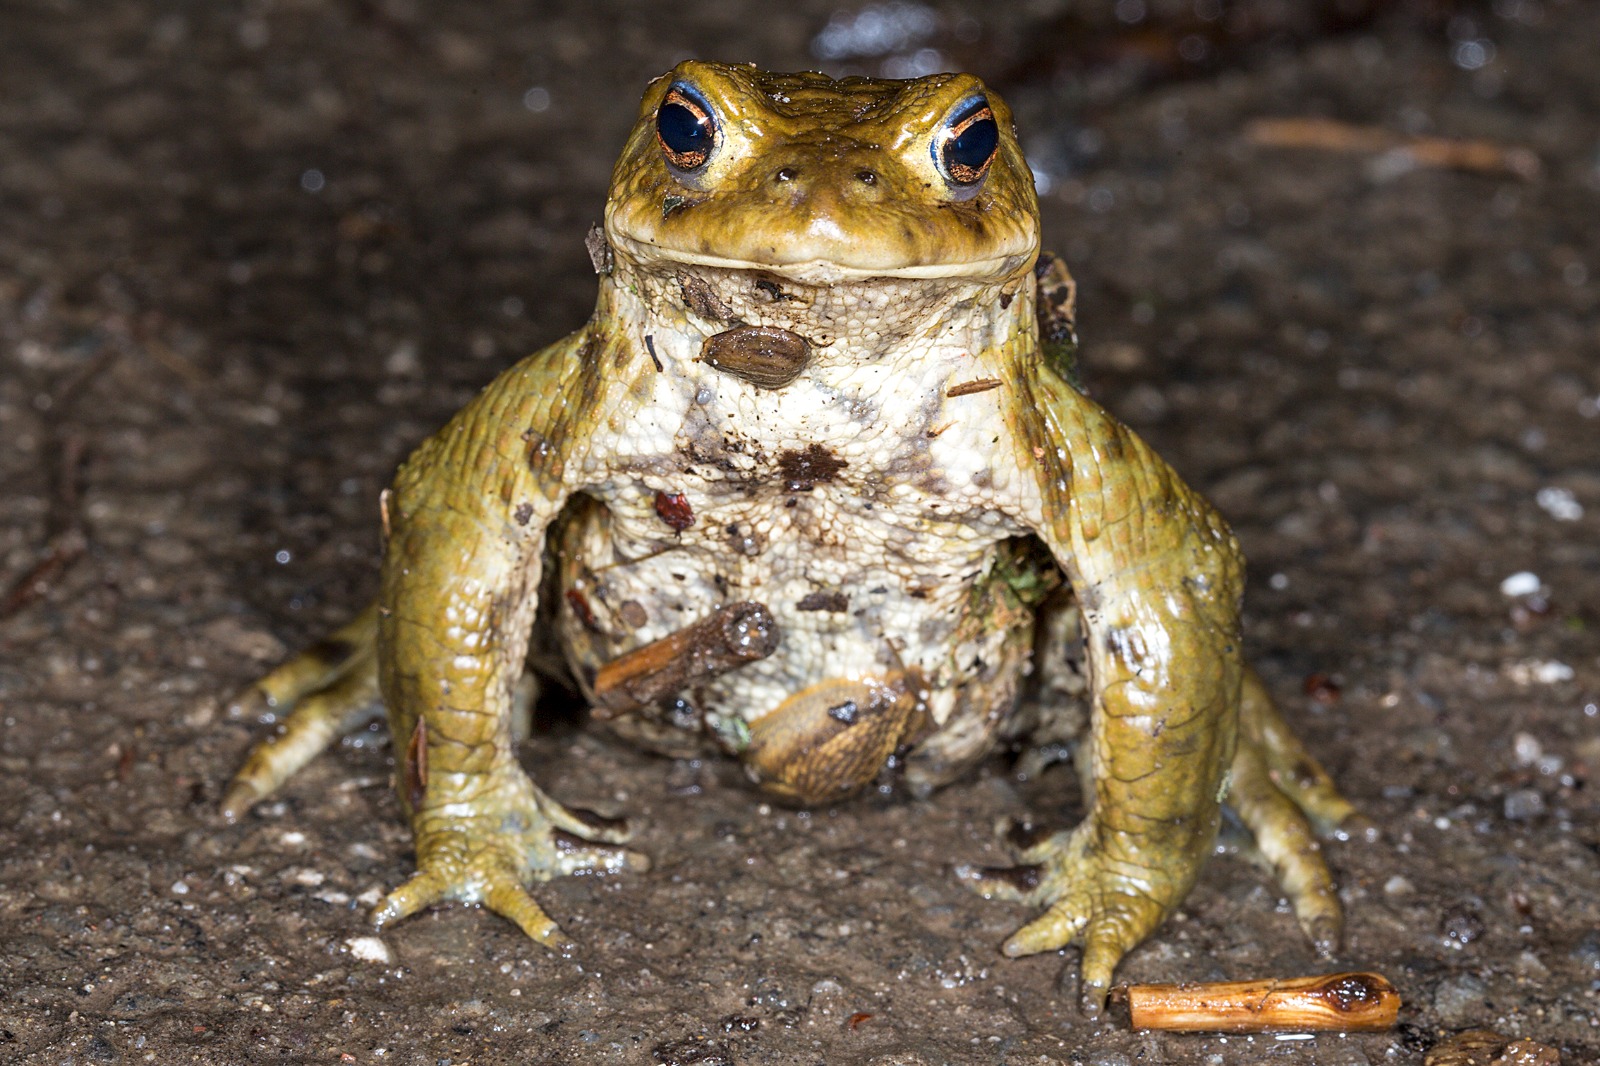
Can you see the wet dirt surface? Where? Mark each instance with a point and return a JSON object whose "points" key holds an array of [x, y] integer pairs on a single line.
{"points": [[275, 244]]}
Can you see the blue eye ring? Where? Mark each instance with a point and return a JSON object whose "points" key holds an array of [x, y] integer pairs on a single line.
{"points": [[685, 128], [966, 146]]}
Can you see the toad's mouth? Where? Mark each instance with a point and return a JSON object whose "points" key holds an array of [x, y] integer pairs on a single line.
{"points": [[794, 262]]}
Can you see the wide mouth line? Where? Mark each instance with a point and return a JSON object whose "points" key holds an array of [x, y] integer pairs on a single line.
{"points": [[977, 268]]}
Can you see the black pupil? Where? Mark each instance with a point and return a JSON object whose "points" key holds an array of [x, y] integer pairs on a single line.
{"points": [[968, 152], [683, 131]]}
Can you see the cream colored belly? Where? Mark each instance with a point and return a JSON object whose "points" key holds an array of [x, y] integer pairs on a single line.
{"points": [[862, 591]]}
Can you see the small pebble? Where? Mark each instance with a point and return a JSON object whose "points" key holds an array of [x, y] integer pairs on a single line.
{"points": [[1459, 1000], [1461, 925], [1526, 748], [369, 949], [1560, 504], [1530, 966], [1523, 804], [1521, 583], [1587, 952]]}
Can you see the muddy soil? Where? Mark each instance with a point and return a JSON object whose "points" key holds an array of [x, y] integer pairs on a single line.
{"points": [[252, 252]]}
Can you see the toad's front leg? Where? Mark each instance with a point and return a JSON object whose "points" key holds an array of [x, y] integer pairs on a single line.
{"points": [[465, 526], [1157, 576], [1154, 775]]}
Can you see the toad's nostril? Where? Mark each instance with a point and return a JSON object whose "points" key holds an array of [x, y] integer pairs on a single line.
{"points": [[867, 177], [786, 173]]}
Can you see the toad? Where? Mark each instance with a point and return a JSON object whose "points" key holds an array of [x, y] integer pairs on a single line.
{"points": [[816, 487]]}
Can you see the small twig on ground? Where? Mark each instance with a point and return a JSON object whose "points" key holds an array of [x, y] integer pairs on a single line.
{"points": [[67, 541], [66, 537], [1331, 135], [1339, 1002]]}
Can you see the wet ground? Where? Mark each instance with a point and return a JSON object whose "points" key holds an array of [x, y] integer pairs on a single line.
{"points": [[251, 253]]}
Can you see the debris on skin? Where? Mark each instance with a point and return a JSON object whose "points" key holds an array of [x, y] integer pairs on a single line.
{"points": [[674, 509], [724, 640], [765, 356]]}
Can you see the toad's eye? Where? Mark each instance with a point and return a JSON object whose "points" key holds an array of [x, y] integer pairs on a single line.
{"points": [[685, 128], [965, 147]]}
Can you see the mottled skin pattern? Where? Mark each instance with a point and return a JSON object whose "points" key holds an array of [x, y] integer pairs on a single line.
{"points": [[881, 504]]}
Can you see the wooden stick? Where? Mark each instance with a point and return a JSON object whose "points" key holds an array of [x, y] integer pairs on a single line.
{"points": [[67, 538], [1327, 1003], [1445, 152], [725, 639]]}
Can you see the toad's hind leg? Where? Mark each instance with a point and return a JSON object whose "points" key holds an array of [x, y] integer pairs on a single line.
{"points": [[1285, 798], [328, 690]]}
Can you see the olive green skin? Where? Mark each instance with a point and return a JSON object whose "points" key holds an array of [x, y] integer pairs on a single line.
{"points": [[966, 442]]}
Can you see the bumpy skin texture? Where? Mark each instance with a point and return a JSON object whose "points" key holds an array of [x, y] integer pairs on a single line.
{"points": [[875, 448]]}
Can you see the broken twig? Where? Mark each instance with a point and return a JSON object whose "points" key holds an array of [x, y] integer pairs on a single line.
{"points": [[66, 541], [1326, 134], [725, 639], [1338, 1002]]}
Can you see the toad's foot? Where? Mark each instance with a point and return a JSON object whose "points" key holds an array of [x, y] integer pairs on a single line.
{"points": [[328, 690], [1097, 896], [1279, 791], [497, 833], [1285, 799]]}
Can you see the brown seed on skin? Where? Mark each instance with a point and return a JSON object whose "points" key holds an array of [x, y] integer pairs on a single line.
{"points": [[804, 470], [633, 614], [673, 508], [765, 356]]}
